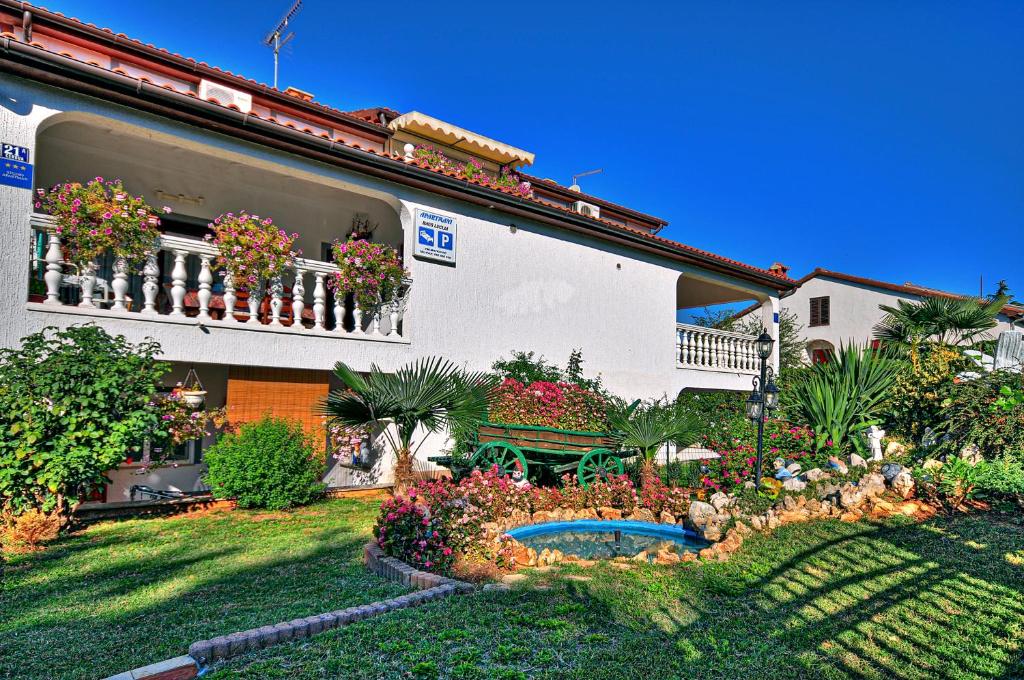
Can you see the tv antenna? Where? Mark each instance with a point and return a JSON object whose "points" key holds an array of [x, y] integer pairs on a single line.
{"points": [[576, 178], [277, 39]]}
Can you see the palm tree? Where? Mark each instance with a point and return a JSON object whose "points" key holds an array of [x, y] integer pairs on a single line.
{"points": [[945, 321], [433, 394], [645, 428]]}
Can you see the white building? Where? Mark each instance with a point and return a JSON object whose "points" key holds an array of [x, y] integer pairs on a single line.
{"points": [[836, 308], [550, 271]]}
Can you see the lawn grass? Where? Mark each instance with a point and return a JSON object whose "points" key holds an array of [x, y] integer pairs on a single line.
{"points": [[119, 595], [944, 599]]}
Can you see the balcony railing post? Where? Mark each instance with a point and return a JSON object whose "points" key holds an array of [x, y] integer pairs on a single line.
{"points": [[205, 286], [87, 282], [255, 298], [178, 277], [298, 298], [120, 284], [319, 301], [276, 301], [357, 316], [54, 270], [229, 296], [150, 287]]}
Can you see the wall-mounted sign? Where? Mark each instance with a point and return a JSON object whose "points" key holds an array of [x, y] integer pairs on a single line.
{"points": [[15, 174], [11, 152], [435, 236]]}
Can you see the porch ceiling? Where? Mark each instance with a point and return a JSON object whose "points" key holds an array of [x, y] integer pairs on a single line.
{"points": [[691, 292]]}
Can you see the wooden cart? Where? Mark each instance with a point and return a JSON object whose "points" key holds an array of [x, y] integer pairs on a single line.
{"points": [[535, 450]]}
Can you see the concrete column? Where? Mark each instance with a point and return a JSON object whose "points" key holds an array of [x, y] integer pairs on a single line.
{"points": [[770, 320]]}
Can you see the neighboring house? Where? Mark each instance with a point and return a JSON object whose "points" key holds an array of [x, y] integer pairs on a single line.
{"points": [[836, 308], [539, 267]]}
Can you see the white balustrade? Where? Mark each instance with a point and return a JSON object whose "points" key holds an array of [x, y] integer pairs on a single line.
{"points": [[182, 297], [710, 349]]}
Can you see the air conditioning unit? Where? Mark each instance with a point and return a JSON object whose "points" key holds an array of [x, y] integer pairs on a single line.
{"points": [[225, 95], [588, 209]]}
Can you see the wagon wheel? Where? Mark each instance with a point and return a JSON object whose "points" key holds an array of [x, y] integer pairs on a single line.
{"points": [[506, 456], [598, 464]]}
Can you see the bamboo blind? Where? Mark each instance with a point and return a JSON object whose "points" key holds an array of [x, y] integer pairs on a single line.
{"points": [[285, 392]]}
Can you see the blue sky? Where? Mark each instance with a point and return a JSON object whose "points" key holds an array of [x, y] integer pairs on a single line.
{"points": [[884, 139]]}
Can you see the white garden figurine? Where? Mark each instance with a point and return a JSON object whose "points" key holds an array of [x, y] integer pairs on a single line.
{"points": [[874, 435]]}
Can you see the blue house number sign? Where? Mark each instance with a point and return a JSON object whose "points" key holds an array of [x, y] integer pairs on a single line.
{"points": [[435, 236], [15, 170]]}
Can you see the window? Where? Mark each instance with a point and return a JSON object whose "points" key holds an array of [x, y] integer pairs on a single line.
{"points": [[819, 311]]}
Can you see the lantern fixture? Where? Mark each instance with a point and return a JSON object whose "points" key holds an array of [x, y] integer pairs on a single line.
{"points": [[764, 344], [755, 406], [771, 393]]}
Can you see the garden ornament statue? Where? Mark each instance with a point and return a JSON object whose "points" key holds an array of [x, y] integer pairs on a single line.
{"points": [[875, 435], [763, 399]]}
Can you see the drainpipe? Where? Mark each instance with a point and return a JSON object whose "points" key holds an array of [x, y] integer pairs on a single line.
{"points": [[26, 25]]}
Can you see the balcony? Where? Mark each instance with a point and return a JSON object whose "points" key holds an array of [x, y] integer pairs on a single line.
{"points": [[179, 284], [710, 349]]}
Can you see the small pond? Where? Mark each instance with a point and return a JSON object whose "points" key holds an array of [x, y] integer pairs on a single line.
{"points": [[604, 539]]}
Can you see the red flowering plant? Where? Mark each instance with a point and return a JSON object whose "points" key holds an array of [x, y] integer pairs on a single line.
{"points": [[658, 498], [372, 272], [547, 404], [737, 459], [617, 491], [408, 530], [251, 248], [100, 216], [474, 170]]}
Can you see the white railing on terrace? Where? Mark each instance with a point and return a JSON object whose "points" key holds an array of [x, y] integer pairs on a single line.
{"points": [[710, 349], [180, 282]]}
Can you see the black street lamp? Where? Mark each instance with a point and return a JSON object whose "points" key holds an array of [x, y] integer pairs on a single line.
{"points": [[763, 399]]}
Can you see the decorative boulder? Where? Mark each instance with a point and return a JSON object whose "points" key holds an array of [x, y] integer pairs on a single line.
{"points": [[895, 449], [857, 461], [749, 485], [814, 475], [719, 500], [666, 517], [700, 512], [903, 484], [610, 513], [642, 515], [712, 533], [890, 470], [972, 454], [794, 468], [872, 484], [794, 484], [837, 465], [932, 464]]}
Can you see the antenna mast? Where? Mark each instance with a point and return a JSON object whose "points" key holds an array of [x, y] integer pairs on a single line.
{"points": [[276, 38], [575, 178]]}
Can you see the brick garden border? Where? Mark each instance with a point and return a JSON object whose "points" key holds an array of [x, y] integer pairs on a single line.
{"points": [[429, 587]]}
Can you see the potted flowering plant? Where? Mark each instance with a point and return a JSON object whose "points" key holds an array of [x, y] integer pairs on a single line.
{"points": [[371, 272], [97, 217], [183, 422], [251, 250]]}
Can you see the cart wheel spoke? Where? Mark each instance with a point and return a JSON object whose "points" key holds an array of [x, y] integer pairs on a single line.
{"points": [[506, 456], [598, 464]]}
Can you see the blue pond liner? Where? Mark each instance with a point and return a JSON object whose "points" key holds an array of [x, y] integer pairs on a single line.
{"points": [[594, 538]]}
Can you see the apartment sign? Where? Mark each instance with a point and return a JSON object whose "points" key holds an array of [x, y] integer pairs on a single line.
{"points": [[435, 236]]}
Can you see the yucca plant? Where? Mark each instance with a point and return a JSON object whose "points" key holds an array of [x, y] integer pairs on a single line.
{"points": [[842, 397], [645, 428], [433, 394]]}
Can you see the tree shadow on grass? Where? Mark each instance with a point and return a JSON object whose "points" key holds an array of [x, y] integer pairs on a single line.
{"points": [[890, 602], [127, 613]]}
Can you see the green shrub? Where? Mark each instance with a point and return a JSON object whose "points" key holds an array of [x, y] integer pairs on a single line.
{"points": [[978, 413], [841, 398], [956, 481], [271, 463], [915, 400], [73, 405]]}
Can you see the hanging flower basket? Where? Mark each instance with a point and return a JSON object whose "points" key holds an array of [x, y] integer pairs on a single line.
{"points": [[371, 272], [191, 390], [194, 398], [252, 249], [98, 217]]}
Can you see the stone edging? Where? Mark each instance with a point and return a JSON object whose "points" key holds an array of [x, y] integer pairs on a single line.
{"points": [[429, 587]]}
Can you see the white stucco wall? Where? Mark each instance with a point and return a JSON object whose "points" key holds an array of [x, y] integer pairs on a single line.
{"points": [[853, 310], [517, 284]]}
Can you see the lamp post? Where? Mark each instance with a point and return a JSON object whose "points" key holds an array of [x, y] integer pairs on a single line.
{"points": [[763, 399]]}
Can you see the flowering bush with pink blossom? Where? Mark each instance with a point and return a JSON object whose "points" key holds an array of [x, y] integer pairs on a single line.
{"points": [[183, 422], [474, 170], [737, 459], [372, 272], [251, 248], [548, 404], [439, 520], [100, 216]]}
